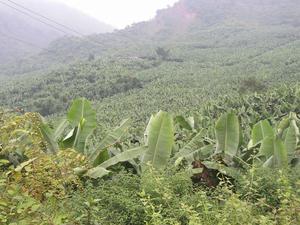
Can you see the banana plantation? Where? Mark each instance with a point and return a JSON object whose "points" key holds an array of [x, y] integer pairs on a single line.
{"points": [[236, 164], [189, 118]]}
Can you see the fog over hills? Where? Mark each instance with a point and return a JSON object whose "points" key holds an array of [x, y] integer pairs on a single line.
{"points": [[203, 23], [14, 24], [186, 15]]}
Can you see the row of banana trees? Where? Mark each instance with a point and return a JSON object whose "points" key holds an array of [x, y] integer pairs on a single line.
{"points": [[163, 145]]}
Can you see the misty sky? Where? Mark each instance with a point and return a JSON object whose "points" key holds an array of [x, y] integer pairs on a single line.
{"points": [[119, 13]]}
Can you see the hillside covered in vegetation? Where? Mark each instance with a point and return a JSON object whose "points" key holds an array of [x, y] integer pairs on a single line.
{"points": [[190, 118], [166, 69]]}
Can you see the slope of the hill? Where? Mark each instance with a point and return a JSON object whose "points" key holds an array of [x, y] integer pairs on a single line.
{"points": [[204, 61], [201, 24], [16, 24]]}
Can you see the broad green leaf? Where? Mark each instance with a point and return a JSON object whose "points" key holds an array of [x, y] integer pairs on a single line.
{"points": [[260, 131], [273, 146], [291, 138], [69, 140], [115, 135], [228, 134], [203, 152], [133, 162], [82, 116], [194, 144], [267, 146], [109, 140], [124, 156], [199, 154], [58, 132], [81, 109], [280, 153], [52, 145], [97, 172], [146, 134], [160, 141], [183, 123]]}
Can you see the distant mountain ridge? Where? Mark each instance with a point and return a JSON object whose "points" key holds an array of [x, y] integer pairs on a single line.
{"points": [[186, 14], [16, 25], [187, 18], [199, 21]]}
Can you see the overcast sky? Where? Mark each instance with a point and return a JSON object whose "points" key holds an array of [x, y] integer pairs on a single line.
{"points": [[119, 13]]}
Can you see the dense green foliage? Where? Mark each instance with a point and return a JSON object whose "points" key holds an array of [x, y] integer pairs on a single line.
{"points": [[224, 150], [266, 191]]}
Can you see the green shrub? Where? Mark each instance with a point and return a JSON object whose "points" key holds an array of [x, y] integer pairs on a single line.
{"points": [[113, 201]]}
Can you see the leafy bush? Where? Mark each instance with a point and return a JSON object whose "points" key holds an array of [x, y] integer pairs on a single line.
{"points": [[112, 201]]}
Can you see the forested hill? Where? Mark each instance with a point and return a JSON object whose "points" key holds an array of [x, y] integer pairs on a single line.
{"points": [[17, 22], [187, 16], [188, 54], [190, 23]]}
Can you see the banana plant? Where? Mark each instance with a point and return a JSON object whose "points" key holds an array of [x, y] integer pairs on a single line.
{"points": [[196, 148], [191, 123], [224, 148], [228, 139], [277, 148], [228, 134], [100, 154], [159, 141], [81, 121], [105, 152], [81, 118]]}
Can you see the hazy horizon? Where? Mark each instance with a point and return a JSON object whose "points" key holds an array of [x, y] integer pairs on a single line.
{"points": [[119, 13]]}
